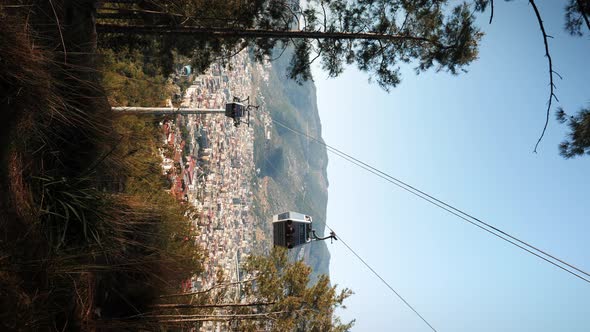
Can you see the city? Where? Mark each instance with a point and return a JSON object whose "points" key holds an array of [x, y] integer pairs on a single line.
{"points": [[210, 166]]}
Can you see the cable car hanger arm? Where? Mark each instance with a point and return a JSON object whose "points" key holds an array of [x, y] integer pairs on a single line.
{"points": [[332, 236]]}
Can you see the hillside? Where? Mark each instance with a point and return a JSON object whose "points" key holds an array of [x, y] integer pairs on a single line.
{"points": [[292, 169]]}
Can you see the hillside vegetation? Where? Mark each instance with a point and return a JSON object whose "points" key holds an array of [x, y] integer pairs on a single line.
{"points": [[88, 236]]}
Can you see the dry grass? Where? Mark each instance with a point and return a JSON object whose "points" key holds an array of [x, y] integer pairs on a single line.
{"points": [[74, 253]]}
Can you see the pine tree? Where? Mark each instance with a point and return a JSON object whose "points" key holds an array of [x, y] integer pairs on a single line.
{"points": [[278, 297], [377, 35]]}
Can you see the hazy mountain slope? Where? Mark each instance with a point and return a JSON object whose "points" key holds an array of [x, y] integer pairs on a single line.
{"points": [[292, 168]]}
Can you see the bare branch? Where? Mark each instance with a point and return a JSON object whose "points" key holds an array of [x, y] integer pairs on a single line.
{"points": [[209, 289], [304, 23], [220, 317], [283, 48], [318, 54], [221, 305], [141, 11], [551, 84], [491, 10], [292, 13], [401, 29]]}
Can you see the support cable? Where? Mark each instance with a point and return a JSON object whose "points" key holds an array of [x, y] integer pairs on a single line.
{"points": [[549, 258], [367, 264], [383, 280]]}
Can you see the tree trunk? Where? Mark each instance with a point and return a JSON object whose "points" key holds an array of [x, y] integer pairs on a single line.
{"points": [[163, 319], [249, 33], [222, 305]]}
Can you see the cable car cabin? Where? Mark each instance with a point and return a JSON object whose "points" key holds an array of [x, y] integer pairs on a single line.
{"points": [[236, 111], [291, 229]]}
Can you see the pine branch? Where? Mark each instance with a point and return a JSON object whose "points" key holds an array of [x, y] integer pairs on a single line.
{"points": [[582, 9]]}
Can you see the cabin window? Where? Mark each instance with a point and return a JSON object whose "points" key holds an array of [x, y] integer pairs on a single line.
{"points": [[302, 233]]}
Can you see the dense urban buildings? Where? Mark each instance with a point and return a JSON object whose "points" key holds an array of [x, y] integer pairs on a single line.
{"points": [[210, 166]]}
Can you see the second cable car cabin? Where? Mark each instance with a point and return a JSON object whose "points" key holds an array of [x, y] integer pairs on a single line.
{"points": [[293, 229]]}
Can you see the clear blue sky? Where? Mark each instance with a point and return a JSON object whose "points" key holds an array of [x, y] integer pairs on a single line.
{"points": [[468, 140]]}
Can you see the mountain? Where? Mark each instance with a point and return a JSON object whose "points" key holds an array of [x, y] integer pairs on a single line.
{"points": [[293, 175]]}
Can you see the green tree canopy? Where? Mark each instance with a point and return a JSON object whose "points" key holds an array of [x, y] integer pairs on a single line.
{"points": [[296, 306], [376, 35], [276, 296], [577, 13], [577, 142]]}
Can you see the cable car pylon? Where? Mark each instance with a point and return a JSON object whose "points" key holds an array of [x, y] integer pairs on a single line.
{"points": [[235, 109], [165, 110]]}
